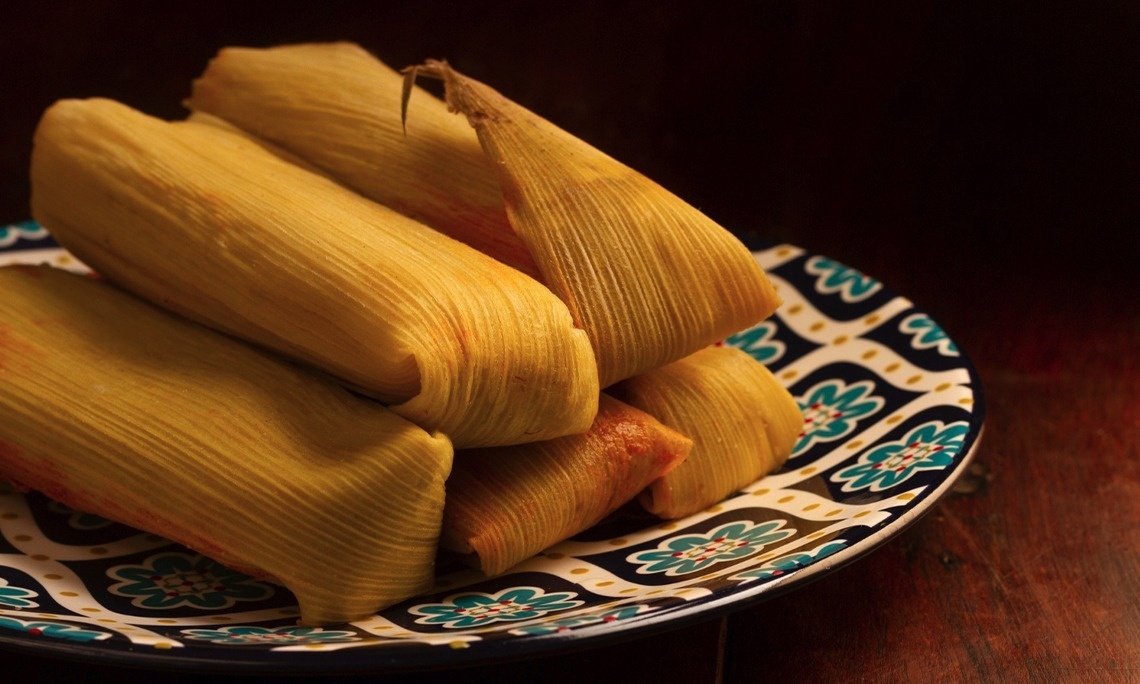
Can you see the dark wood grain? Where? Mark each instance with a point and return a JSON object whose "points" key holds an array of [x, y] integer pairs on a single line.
{"points": [[979, 157], [1031, 570]]}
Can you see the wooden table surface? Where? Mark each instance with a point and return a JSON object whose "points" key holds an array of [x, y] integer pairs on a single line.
{"points": [[979, 157]]}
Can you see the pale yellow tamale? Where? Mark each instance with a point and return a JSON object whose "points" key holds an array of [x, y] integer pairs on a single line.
{"points": [[649, 277], [742, 421], [115, 407], [338, 107], [507, 504], [211, 225]]}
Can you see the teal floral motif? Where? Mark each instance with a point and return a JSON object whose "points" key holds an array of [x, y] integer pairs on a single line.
{"points": [[57, 630], [16, 597], [477, 609], [793, 561], [566, 624], [244, 635], [9, 234], [832, 409], [931, 446], [759, 341], [834, 277], [77, 519], [175, 580], [690, 553], [925, 334]]}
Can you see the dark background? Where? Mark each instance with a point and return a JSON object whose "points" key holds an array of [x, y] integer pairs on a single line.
{"points": [[1003, 127], [979, 156]]}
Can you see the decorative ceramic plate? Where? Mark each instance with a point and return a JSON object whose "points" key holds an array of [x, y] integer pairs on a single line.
{"points": [[893, 412]]}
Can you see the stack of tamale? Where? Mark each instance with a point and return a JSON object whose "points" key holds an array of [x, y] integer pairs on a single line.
{"points": [[481, 279]]}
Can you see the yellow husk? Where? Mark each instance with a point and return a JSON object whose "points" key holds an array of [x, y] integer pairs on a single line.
{"points": [[649, 277], [507, 504], [338, 107], [211, 225], [115, 407], [743, 423]]}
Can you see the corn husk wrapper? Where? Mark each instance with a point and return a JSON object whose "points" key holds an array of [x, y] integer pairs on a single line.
{"points": [[507, 504], [212, 226], [743, 423], [650, 278], [115, 407], [338, 107]]}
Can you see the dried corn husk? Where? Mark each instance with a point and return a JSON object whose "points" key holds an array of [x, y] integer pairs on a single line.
{"points": [[743, 423], [212, 226], [338, 107], [115, 407], [650, 278], [507, 504]]}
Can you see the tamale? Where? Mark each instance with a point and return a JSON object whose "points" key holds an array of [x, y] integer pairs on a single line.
{"points": [[115, 407], [507, 504], [742, 421], [211, 225], [649, 277], [338, 107]]}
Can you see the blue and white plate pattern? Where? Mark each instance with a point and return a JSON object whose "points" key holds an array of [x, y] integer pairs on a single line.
{"points": [[893, 412]]}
